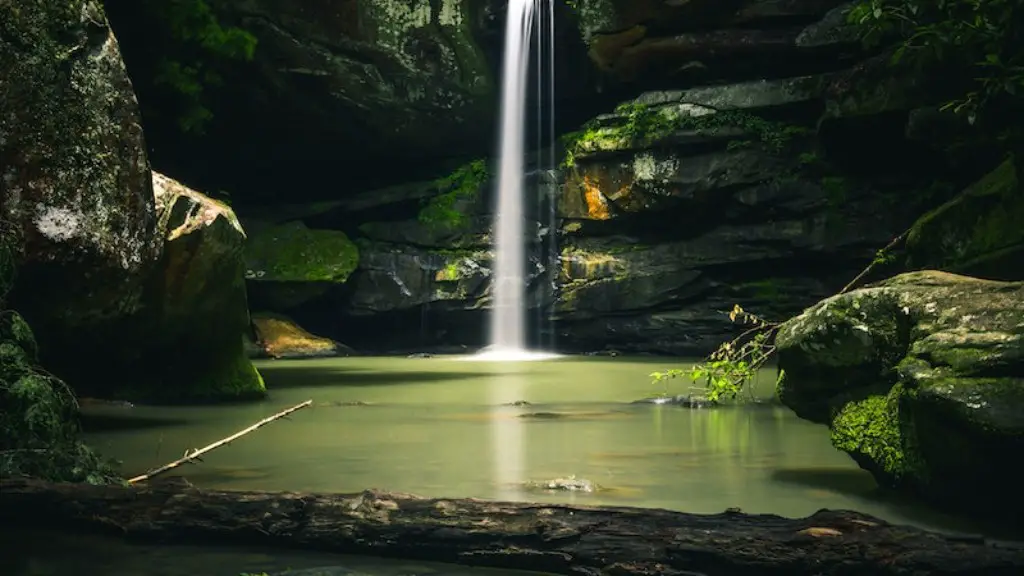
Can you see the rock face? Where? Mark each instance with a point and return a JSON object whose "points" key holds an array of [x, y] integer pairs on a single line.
{"points": [[200, 289], [352, 87], [921, 380], [653, 43], [979, 232], [75, 180], [133, 282]]}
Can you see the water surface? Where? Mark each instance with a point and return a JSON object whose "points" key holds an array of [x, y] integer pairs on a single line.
{"points": [[443, 427]]}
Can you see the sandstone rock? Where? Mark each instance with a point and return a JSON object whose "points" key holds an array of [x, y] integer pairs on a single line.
{"points": [[921, 380], [979, 232], [280, 337], [76, 184], [201, 296]]}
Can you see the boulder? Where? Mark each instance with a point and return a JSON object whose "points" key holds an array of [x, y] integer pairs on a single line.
{"points": [[280, 337], [202, 307], [921, 380], [76, 186], [978, 232]]}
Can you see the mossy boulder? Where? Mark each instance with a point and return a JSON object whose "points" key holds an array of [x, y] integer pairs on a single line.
{"points": [[921, 380], [289, 264], [75, 185], [203, 311], [280, 337], [978, 232]]}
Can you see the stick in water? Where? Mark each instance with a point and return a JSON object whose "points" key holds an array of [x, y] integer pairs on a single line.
{"points": [[195, 454]]}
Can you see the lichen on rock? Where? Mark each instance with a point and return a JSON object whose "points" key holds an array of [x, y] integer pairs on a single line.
{"points": [[921, 380]]}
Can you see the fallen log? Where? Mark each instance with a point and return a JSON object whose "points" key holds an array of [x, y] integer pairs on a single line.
{"points": [[570, 540]]}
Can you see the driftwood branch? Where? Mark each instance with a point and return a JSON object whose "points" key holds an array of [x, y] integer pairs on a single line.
{"points": [[195, 454], [568, 540]]}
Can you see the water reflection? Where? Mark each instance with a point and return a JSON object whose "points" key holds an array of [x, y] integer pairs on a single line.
{"points": [[505, 388], [447, 428]]}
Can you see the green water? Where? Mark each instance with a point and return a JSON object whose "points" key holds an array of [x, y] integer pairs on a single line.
{"points": [[442, 427], [438, 427]]}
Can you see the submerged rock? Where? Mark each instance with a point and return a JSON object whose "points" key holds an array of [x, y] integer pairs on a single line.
{"points": [[921, 380], [280, 337], [684, 400], [568, 484]]}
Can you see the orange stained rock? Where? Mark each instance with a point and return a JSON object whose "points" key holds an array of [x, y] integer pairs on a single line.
{"points": [[597, 204], [280, 337]]}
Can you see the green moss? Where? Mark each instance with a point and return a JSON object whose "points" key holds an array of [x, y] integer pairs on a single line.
{"points": [[641, 125], [870, 431], [447, 210], [293, 253], [234, 379], [982, 223], [770, 289], [39, 431]]}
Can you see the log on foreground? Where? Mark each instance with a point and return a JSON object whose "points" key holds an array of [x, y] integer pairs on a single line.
{"points": [[570, 540]]}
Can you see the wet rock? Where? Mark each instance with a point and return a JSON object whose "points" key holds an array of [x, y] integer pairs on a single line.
{"points": [[280, 337], [567, 484], [518, 403], [921, 380], [684, 400]]}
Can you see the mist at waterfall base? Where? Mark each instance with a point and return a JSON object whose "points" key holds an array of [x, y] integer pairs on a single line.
{"points": [[508, 310]]}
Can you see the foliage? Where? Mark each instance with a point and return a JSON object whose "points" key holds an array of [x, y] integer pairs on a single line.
{"points": [[464, 183], [637, 123], [728, 370], [201, 47], [978, 41], [731, 368], [38, 412]]}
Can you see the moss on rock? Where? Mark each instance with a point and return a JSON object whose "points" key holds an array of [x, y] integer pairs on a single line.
{"points": [[293, 253], [921, 380], [978, 232], [201, 305]]}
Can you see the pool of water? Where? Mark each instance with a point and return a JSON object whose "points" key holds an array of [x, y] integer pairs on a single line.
{"points": [[444, 427]]}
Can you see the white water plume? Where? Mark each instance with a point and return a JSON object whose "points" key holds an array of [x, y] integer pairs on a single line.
{"points": [[508, 317]]}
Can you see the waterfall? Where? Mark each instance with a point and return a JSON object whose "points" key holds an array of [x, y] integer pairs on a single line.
{"points": [[508, 317]]}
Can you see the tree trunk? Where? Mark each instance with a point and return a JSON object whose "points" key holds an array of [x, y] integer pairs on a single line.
{"points": [[570, 540]]}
